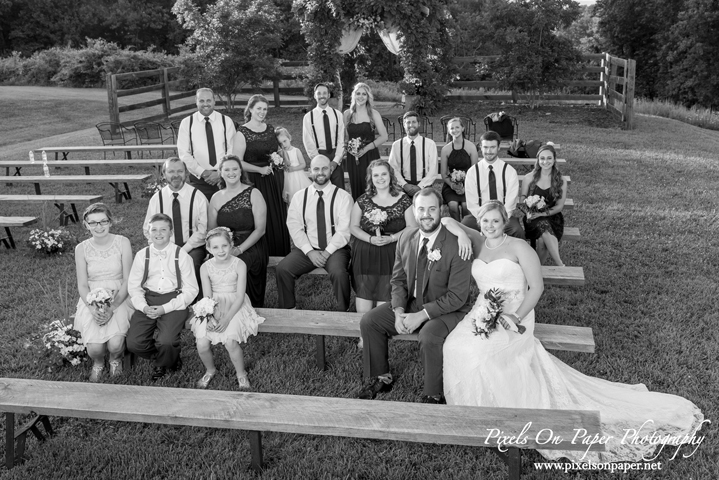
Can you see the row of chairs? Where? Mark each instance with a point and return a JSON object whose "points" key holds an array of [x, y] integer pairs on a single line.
{"points": [[508, 128]]}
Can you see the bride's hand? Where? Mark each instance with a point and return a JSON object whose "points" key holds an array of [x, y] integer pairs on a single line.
{"points": [[465, 246]]}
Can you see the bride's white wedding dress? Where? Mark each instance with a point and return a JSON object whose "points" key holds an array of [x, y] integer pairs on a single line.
{"points": [[513, 370]]}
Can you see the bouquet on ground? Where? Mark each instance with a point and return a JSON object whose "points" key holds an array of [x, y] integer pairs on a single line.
{"points": [[533, 204], [277, 162], [50, 241], [100, 298], [204, 310], [378, 218], [62, 344], [353, 147], [489, 312], [457, 178]]}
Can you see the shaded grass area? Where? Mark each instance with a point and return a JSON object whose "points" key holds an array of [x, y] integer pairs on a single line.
{"points": [[646, 205]]}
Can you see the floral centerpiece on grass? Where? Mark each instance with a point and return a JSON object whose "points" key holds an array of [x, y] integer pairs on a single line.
{"points": [[487, 313], [378, 218], [457, 178], [51, 241], [62, 344], [204, 310]]}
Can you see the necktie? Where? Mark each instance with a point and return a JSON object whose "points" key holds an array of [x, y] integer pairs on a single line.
{"points": [[413, 164], [177, 220], [210, 142], [328, 131], [492, 184], [421, 270], [321, 227]]}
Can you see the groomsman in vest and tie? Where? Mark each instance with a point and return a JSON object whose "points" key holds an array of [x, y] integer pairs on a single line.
{"points": [[492, 179], [319, 223], [186, 206], [323, 133], [204, 138], [414, 157]]}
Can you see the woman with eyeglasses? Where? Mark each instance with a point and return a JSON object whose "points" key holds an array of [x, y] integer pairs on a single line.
{"points": [[103, 261]]}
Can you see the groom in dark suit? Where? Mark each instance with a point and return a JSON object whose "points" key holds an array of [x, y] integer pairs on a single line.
{"points": [[430, 293]]}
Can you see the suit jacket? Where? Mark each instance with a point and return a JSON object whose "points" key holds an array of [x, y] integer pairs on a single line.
{"points": [[446, 285]]}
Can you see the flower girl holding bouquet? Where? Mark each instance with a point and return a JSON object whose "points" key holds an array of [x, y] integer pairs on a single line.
{"points": [[227, 316], [103, 315], [295, 177]]}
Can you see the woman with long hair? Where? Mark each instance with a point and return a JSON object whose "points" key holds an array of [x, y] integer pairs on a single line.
{"points": [[457, 156]]}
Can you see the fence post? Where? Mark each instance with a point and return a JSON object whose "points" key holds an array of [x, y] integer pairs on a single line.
{"points": [[276, 91], [630, 74], [603, 79], [112, 98], [612, 79], [166, 92]]}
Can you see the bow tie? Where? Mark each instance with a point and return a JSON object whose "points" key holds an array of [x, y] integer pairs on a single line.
{"points": [[162, 254]]}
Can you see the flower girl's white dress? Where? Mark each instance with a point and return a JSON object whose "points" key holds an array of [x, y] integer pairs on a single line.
{"points": [[297, 180]]}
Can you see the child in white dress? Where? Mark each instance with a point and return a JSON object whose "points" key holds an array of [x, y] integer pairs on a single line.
{"points": [[295, 177], [224, 278]]}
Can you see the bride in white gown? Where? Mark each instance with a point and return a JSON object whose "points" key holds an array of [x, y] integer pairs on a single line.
{"points": [[509, 369]]}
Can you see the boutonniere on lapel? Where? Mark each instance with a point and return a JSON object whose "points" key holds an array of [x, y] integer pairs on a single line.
{"points": [[434, 255]]}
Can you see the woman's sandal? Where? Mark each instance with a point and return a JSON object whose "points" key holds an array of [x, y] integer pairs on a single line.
{"points": [[243, 382], [205, 380]]}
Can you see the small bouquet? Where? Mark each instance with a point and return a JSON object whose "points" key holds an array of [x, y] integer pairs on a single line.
{"points": [[100, 298], [489, 313], [50, 241], [62, 345], [277, 162], [457, 178], [353, 146], [153, 186], [533, 204], [204, 310], [378, 218]]}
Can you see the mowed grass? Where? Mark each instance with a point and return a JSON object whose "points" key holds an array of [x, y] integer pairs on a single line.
{"points": [[646, 206]]}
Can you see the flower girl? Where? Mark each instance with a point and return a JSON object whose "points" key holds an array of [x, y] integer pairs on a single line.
{"points": [[234, 320], [103, 265], [295, 178]]}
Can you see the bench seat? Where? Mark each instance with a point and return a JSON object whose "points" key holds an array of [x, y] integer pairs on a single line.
{"points": [[114, 180], [86, 164], [58, 200], [7, 222]]}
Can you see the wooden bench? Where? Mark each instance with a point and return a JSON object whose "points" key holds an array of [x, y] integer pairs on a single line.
{"points": [[58, 200], [8, 222], [568, 276], [114, 180], [503, 144], [86, 164], [515, 162], [347, 324], [127, 149], [297, 414]]}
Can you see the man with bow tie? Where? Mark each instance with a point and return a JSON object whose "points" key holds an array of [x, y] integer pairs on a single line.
{"points": [[161, 285]]}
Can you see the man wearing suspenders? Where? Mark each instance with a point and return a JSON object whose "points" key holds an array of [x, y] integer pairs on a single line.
{"points": [[414, 157], [319, 223], [492, 179], [323, 133], [161, 285], [188, 209], [204, 138]]}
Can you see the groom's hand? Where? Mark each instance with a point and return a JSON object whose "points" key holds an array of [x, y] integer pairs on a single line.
{"points": [[413, 321], [399, 316]]}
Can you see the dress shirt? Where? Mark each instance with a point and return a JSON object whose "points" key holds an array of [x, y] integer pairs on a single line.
{"points": [[199, 214], [308, 137], [161, 278], [199, 161], [470, 186], [430, 159], [342, 211], [430, 244]]}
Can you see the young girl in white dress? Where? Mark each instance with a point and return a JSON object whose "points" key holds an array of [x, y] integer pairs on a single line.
{"points": [[295, 177], [224, 278], [103, 261]]}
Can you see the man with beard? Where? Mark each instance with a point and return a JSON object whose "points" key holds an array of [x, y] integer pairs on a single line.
{"points": [[319, 223], [187, 208], [430, 294], [413, 157], [492, 179], [323, 133], [203, 139]]}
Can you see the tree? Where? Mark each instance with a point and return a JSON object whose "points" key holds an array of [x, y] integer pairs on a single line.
{"points": [[584, 32], [233, 41]]}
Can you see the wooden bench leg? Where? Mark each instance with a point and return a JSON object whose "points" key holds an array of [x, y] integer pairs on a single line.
{"points": [[256, 450], [120, 194], [37, 189], [9, 440], [128, 361], [320, 352], [8, 240], [514, 462], [64, 216], [14, 452]]}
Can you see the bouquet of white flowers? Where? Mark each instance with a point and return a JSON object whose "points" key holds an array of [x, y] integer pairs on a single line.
{"points": [[378, 218], [353, 146], [50, 241], [277, 161], [100, 298], [63, 344], [457, 178], [204, 310], [533, 204], [489, 312]]}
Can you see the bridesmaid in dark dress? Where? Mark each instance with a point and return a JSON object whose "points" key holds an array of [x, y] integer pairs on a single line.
{"points": [[545, 229], [241, 208], [457, 155], [362, 121], [254, 142]]}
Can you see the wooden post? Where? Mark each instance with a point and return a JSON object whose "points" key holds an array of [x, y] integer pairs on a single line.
{"points": [[165, 79], [630, 75], [256, 450], [320, 352], [603, 79], [112, 98], [276, 91], [514, 462], [9, 440], [612, 78]]}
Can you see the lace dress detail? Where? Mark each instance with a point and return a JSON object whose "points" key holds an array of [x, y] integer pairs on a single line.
{"points": [[104, 270], [553, 224], [259, 146], [237, 216], [515, 371], [371, 264], [357, 168], [458, 159], [224, 290]]}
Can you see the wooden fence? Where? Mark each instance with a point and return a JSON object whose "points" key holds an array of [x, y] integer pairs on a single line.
{"points": [[602, 65]]}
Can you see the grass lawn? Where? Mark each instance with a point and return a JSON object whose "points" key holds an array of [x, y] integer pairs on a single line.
{"points": [[646, 206]]}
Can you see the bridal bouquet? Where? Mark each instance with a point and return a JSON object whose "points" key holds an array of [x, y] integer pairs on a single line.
{"points": [[378, 218], [533, 204], [277, 161], [489, 313], [204, 310], [353, 147], [50, 241], [100, 298], [63, 344], [457, 178]]}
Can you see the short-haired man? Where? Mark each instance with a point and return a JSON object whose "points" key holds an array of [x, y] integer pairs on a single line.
{"points": [[492, 179], [323, 133], [319, 223], [204, 138], [430, 294], [413, 157], [187, 209]]}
